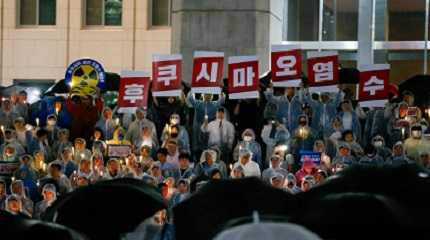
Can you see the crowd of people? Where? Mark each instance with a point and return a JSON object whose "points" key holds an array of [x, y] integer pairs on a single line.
{"points": [[180, 143]]}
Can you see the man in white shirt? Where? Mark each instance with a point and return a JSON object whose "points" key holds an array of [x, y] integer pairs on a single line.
{"points": [[250, 168], [221, 134]]}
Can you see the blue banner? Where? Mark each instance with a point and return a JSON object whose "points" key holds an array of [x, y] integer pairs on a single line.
{"points": [[314, 156]]}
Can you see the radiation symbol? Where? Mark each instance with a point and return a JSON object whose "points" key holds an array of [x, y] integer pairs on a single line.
{"points": [[84, 80]]}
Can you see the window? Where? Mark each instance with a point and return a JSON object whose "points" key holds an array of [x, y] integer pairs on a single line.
{"points": [[37, 12], [408, 15], [302, 20], [161, 12], [340, 20], [103, 13]]}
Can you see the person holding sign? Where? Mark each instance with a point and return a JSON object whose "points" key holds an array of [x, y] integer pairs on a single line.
{"points": [[288, 104], [324, 111], [204, 110]]}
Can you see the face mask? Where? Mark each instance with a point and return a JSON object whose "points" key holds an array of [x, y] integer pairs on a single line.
{"points": [[247, 138], [174, 135], [416, 134], [302, 123], [378, 144], [52, 122]]}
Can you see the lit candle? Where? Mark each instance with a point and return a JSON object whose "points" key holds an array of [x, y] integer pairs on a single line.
{"points": [[13, 179], [301, 132], [82, 156], [403, 133], [57, 109], [117, 121], [231, 166], [37, 122], [2, 129], [44, 166]]}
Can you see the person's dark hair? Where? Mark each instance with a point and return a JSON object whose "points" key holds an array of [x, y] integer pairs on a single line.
{"points": [[407, 93], [52, 117], [102, 134], [184, 155], [56, 165], [214, 172], [23, 92], [41, 132], [369, 149], [221, 109], [315, 96], [163, 151], [346, 132]]}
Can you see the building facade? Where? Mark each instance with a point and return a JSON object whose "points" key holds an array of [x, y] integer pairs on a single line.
{"points": [[40, 38], [363, 32]]}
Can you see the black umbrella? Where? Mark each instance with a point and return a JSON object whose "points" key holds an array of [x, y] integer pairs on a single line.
{"points": [[337, 216], [59, 87], [349, 76], [265, 79], [112, 82], [107, 209], [204, 213], [419, 85], [408, 185], [19, 227]]}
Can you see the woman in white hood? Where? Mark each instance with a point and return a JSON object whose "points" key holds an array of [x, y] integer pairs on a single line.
{"points": [[208, 162]]}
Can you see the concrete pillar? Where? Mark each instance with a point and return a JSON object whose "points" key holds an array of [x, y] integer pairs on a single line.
{"points": [[381, 29], [240, 27], [365, 41]]}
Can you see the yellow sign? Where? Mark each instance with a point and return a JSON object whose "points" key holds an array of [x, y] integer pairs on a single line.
{"points": [[85, 76]]}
